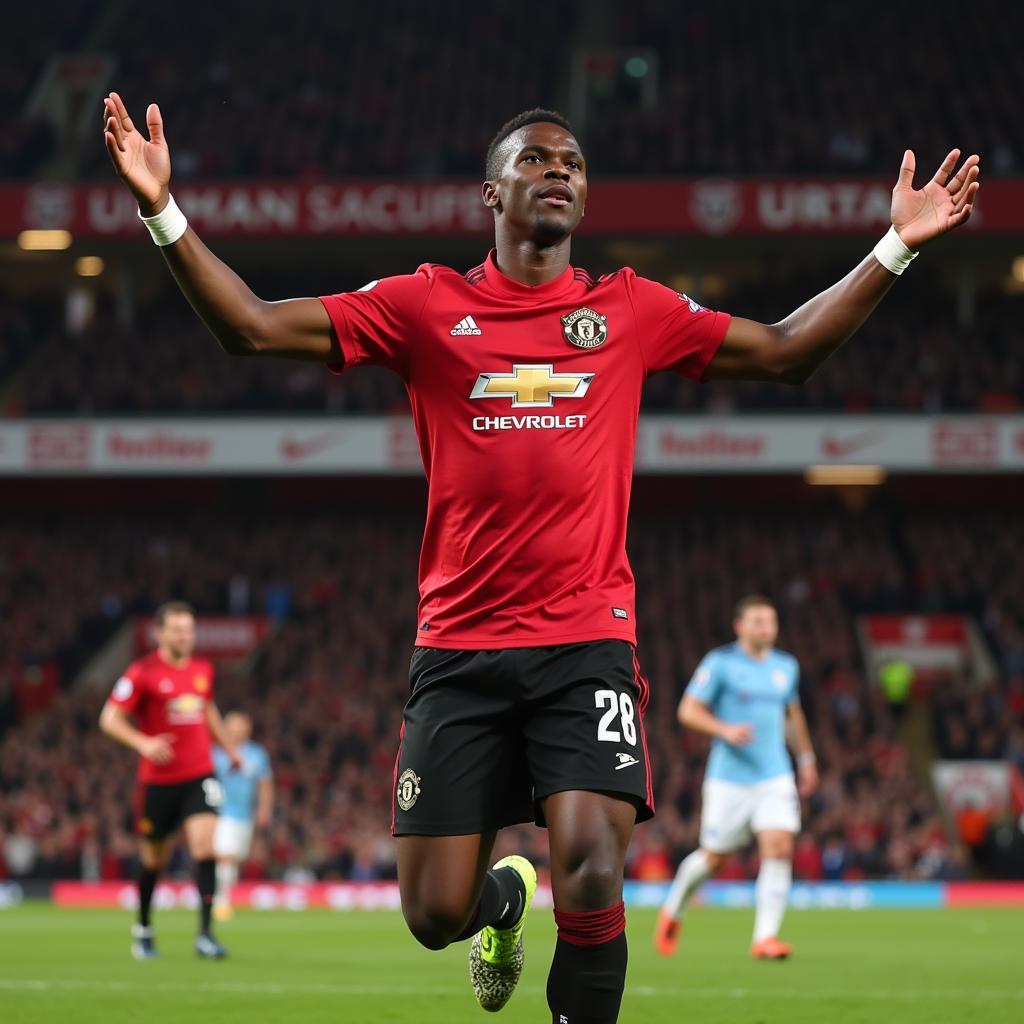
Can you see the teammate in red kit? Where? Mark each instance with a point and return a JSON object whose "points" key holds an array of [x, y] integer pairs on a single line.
{"points": [[170, 694], [525, 377]]}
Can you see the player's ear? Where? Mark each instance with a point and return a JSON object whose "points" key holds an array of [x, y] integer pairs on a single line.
{"points": [[489, 191]]}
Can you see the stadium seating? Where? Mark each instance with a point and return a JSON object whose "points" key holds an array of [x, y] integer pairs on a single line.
{"points": [[343, 591], [336, 104], [910, 356]]}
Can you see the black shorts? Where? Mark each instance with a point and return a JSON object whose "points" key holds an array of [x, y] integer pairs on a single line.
{"points": [[161, 808], [487, 735]]}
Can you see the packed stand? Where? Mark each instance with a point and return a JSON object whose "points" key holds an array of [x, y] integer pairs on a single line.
{"points": [[326, 693], [798, 87], [399, 88], [909, 357]]}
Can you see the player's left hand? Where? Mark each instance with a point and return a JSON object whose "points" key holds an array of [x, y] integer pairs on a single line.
{"points": [[946, 202], [807, 779]]}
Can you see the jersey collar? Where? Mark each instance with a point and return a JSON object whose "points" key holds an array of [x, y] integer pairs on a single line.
{"points": [[502, 284]]}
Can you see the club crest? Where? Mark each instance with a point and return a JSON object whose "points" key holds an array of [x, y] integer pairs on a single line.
{"points": [[585, 328]]}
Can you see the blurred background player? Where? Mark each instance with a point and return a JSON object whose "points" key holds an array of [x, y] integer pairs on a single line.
{"points": [[248, 804], [169, 692], [745, 694]]}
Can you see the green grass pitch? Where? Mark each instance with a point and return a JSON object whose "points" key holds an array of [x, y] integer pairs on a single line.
{"points": [[314, 967]]}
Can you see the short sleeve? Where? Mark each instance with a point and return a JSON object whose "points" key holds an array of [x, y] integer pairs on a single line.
{"points": [[128, 690], [794, 682], [706, 681], [674, 331], [376, 324]]}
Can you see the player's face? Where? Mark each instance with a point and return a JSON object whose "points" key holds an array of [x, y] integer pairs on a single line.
{"points": [[758, 627], [178, 634], [239, 727], [542, 190]]}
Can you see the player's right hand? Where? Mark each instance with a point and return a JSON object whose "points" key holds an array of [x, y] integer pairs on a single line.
{"points": [[143, 165], [738, 735], [158, 749]]}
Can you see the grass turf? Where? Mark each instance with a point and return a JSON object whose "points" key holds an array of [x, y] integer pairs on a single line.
{"points": [[908, 967]]}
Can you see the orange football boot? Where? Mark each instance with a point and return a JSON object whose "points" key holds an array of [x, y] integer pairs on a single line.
{"points": [[771, 949], [666, 934]]}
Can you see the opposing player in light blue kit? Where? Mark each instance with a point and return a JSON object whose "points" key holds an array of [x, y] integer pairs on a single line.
{"points": [[745, 695], [248, 804]]}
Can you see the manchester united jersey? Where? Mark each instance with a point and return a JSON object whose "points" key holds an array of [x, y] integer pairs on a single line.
{"points": [[168, 699], [525, 402]]}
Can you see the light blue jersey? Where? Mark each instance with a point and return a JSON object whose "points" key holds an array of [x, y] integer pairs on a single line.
{"points": [[241, 788], [738, 688]]}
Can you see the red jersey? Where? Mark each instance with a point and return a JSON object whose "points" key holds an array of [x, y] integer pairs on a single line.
{"points": [[525, 402], [166, 699]]}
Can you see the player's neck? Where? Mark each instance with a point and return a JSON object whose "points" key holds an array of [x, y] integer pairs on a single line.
{"points": [[757, 653], [176, 662], [526, 262]]}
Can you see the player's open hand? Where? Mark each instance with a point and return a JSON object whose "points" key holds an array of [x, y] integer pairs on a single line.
{"points": [[144, 165], [158, 749], [944, 203], [738, 735]]}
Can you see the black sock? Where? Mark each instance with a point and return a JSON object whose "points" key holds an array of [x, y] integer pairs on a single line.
{"points": [[147, 883], [589, 970], [501, 902], [206, 883]]}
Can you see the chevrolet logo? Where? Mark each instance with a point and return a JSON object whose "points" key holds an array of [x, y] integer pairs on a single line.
{"points": [[530, 386]]}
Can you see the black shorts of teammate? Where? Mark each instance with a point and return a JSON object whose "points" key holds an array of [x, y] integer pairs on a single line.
{"points": [[161, 808], [487, 735]]}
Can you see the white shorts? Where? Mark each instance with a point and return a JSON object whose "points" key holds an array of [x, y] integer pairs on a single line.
{"points": [[232, 838], [734, 813]]}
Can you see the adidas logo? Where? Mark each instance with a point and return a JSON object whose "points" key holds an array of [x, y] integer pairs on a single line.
{"points": [[467, 325]]}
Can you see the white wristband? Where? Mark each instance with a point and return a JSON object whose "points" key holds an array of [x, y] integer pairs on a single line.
{"points": [[168, 225], [892, 253]]}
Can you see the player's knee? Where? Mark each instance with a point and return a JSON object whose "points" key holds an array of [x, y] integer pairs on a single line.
{"points": [[592, 883], [435, 924]]}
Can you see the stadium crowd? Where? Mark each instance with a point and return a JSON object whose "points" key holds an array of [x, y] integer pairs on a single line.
{"points": [[326, 692], [382, 89], [168, 363]]}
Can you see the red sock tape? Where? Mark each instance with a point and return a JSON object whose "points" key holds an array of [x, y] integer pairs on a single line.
{"points": [[591, 927]]}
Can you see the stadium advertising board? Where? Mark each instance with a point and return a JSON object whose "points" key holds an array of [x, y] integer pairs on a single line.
{"points": [[217, 636], [387, 445], [344, 896], [709, 207]]}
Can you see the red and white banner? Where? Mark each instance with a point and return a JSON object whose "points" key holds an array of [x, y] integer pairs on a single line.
{"points": [[984, 785], [710, 207], [387, 445], [220, 637], [927, 642]]}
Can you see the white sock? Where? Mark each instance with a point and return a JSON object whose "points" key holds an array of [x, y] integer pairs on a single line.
{"points": [[227, 875], [773, 882], [691, 872]]}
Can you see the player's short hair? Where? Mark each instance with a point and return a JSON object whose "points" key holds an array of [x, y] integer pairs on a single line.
{"points": [[752, 601], [492, 165], [173, 608]]}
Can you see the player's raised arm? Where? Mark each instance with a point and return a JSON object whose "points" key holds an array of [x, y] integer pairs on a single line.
{"points": [[243, 323], [791, 350]]}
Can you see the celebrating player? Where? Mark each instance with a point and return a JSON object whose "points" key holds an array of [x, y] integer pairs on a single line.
{"points": [[743, 695], [248, 804], [525, 377], [170, 694]]}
